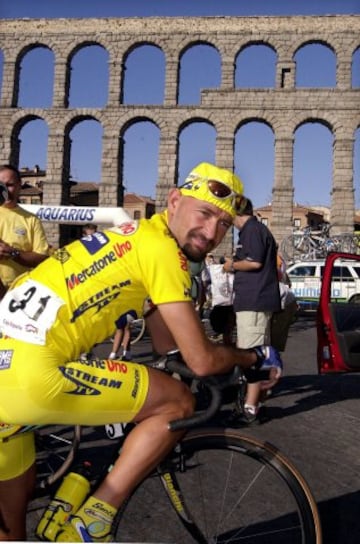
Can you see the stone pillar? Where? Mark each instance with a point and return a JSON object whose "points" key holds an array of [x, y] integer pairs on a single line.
{"points": [[54, 187], [283, 190], [225, 159], [285, 74], [167, 170], [342, 194], [10, 84], [343, 74], [225, 151], [5, 147], [227, 73], [111, 191], [116, 81], [61, 85], [171, 82]]}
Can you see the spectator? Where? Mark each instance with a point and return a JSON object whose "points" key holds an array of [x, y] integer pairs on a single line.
{"points": [[88, 229], [122, 338], [197, 285], [23, 242], [256, 292], [222, 317], [23, 245]]}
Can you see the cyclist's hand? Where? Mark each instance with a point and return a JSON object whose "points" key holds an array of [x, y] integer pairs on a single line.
{"points": [[269, 360]]}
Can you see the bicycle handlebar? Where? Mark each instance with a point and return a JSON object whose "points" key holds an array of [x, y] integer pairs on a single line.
{"points": [[214, 385]]}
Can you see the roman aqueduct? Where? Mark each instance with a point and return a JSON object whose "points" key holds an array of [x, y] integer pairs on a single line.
{"points": [[283, 108]]}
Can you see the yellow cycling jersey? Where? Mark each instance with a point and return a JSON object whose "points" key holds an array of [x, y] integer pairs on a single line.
{"points": [[21, 230], [62, 308], [71, 301]]}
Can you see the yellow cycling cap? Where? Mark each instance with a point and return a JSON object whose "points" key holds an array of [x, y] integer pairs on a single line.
{"points": [[216, 185]]}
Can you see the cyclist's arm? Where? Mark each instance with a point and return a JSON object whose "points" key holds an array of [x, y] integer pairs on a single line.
{"points": [[187, 333]]}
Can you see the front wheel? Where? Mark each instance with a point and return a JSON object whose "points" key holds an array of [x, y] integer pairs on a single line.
{"points": [[236, 489]]}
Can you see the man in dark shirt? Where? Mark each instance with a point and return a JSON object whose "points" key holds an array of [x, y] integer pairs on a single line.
{"points": [[256, 291]]}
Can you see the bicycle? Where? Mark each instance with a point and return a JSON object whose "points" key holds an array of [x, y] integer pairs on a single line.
{"points": [[309, 244], [222, 485]]}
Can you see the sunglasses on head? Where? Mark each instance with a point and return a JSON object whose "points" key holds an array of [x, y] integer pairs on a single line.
{"points": [[217, 188]]}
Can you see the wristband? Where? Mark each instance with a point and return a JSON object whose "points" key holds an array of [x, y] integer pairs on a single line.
{"points": [[259, 359]]}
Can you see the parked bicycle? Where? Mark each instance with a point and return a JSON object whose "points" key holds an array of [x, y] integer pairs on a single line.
{"points": [[310, 244], [219, 485]]}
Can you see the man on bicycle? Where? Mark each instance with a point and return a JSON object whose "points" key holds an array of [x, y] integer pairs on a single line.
{"points": [[70, 302]]}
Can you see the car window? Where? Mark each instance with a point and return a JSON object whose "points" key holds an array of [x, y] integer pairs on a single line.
{"points": [[339, 272], [307, 270]]}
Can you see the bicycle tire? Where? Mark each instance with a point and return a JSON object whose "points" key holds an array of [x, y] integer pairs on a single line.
{"points": [[269, 500], [137, 330], [296, 247], [56, 448], [346, 243]]}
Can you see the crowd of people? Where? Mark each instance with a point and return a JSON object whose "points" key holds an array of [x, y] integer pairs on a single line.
{"points": [[47, 322]]}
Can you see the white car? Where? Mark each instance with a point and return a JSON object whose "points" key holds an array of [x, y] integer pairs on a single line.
{"points": [[305, 277]]}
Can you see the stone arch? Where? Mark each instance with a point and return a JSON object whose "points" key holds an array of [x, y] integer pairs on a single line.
{"points": [[253, 43], [129, 52], [19, 124], [19, 59], [182, 128], [284, 107]]}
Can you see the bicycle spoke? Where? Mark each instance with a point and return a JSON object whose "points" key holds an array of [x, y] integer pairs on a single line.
{"points": [[225, 489]]}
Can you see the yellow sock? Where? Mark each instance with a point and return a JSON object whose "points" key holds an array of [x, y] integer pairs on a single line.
{"points": [[97, 517]]}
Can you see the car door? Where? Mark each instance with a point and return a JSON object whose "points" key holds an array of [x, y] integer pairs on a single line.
{"points": [[338, 317]]}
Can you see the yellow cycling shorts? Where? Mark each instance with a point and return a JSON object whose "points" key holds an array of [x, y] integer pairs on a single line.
{"points": [[16, 455], [39, 387]]}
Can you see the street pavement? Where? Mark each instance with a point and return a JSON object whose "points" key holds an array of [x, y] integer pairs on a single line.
{"points": [[312, 419]]}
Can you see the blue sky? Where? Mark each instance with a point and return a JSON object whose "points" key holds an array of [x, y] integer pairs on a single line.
{"points": [[313, 143]]}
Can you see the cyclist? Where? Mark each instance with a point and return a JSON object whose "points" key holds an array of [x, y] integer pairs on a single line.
{"points": [[70, 302]]}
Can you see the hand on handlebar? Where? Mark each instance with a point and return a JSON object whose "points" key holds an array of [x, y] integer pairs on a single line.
{"points": [[269, 358], [267, 369]]}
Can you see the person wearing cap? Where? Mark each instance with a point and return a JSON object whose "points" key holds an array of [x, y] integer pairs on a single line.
{"points": [[70, 302]]}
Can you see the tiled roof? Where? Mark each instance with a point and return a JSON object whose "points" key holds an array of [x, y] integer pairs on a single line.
{"points": [[132, 198], [84, 187]]}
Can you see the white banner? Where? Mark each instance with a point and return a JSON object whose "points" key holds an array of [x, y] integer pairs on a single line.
{"points": [[78, 215]]}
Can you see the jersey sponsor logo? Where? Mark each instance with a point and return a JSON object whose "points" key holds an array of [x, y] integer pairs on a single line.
{"points": [[20, 231], [116, 366], [135, 390], [94, 242], [122, 249], [109, 364], [54, 213], [187, 292], [127, 228], [61, 255], [84, 381], [29, 327], [100, 299], [5, 358], [183, 261], [95, 267]]}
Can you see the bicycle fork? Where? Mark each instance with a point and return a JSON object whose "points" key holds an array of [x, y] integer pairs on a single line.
{"points": [[172, 489]]}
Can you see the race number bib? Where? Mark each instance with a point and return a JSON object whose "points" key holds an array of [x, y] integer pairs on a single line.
{"points": [[28, 311]]}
